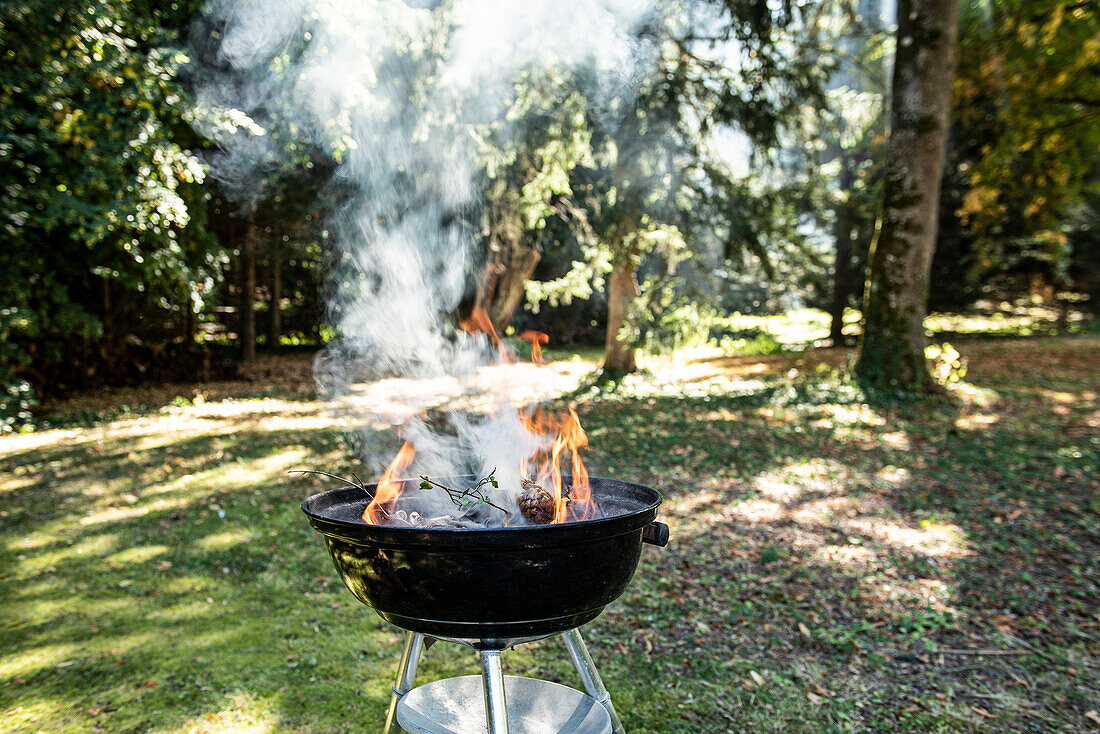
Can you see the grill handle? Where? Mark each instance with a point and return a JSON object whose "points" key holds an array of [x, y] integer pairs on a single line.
{"points": [[655, 533]]}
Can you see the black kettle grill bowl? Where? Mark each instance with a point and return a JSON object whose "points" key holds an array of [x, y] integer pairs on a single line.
{"points": [[494, 587]]}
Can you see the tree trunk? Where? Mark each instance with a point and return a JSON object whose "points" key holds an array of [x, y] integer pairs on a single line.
{"points": [[891, 353], [842, 268], [275, 309], [190, 320], [246, 325], [503, 284], [622, 289]]}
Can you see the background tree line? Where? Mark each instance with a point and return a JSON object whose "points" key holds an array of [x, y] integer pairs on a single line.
{"points": [[745, 172]]}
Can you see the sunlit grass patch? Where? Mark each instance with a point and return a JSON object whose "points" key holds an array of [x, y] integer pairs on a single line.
{"points": [[823, 543]]}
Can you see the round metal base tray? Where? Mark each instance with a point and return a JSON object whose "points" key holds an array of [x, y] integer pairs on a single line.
{"points": [[457, 706]]}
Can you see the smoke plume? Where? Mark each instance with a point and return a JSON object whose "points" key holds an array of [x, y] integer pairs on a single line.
{"points": [[395, 92]]}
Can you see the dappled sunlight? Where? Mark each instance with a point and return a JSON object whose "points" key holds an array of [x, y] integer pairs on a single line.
{"points": [[896, 440], [114, 513], [176, 493], [255, 472], [32, 604], [827, 510], [88, 546], [759, 511], [934, 539], [1016, 320], [802, 503], [973, 395], [13, 483], [29, 713], [168, 552], [895, 475], [185, 586], [39, 658], [136, 554], [225, 540], [795, 479], [171, 425], [1063, 403], [243, 713], [976, 421], [777, 490], [182, 613], [842, 414], [846, 555], [800, 510], [713, 367], [12, 444]]}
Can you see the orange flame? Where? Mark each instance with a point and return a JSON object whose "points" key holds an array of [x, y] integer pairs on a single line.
{"points": [[479, 322], [389, 486], [573, 502], [563, 435], [536, 339]]}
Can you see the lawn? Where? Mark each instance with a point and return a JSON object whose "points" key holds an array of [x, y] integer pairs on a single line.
{"points": [[930, 565]]}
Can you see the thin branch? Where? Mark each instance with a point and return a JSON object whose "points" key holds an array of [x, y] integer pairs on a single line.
{"points": [[330, 476], [456, 495]]}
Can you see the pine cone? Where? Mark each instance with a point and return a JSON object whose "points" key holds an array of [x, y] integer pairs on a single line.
{"points": [[536, 504]]}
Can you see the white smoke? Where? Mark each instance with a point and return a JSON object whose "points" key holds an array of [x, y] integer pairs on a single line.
{"points": [[396, 91]]}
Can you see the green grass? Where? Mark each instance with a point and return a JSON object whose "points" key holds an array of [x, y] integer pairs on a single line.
{"points": [[827, 559]]}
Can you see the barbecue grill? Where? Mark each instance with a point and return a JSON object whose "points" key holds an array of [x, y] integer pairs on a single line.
{"points": [[490, 589]]}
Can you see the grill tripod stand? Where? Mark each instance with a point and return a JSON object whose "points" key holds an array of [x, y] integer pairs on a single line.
{"points": [[451, 706]]}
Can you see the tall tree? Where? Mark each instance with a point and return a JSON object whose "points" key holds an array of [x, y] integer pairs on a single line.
{"points": [[858, 96], [891, 353], [730, 66], [526, 164]]}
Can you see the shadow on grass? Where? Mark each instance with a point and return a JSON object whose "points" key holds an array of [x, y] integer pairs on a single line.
{"points": [[811, 529], [179, 588], [164, 581]]}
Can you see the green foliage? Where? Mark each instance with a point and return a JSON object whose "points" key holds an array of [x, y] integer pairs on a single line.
{"points": [[16, 401], [759, 344], [658, 191], [673, 327], [1027, 130], [842, 145], [97, 190]]}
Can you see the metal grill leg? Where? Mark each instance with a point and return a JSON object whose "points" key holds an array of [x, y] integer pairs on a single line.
{"points": [[492, 678], [406, 676], [590, 677]]}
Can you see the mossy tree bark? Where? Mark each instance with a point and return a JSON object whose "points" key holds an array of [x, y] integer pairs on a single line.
{"points": [[891, 355], [626, 251], [622, 290]]}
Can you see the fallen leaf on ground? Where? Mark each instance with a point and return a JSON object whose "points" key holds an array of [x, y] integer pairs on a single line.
{"points": [[982, 712]]}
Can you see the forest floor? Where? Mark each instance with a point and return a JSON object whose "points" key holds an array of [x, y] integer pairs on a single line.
{"points": [[835, 566]]}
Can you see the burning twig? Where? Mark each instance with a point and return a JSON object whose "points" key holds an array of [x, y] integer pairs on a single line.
{"points": [[467, 496]]}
